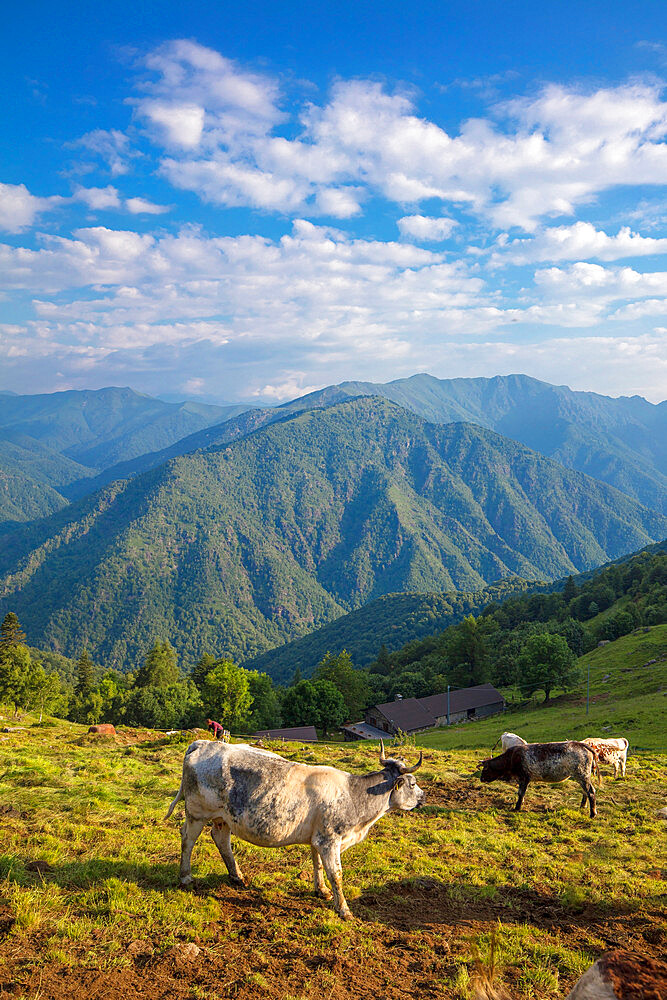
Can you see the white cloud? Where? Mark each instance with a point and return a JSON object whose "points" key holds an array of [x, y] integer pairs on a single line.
{"points": [[426, 229], [138, 206], [578, 242], [98, 198], [530, 158], [182, 124], [112, 147], [19, 208]]}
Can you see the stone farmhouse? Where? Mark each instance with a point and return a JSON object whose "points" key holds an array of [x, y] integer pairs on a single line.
{"points": [[413, 715]]}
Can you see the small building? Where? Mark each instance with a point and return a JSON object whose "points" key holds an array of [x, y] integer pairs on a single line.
{"points": [[304, 734], [361, 731], [413, 715]]}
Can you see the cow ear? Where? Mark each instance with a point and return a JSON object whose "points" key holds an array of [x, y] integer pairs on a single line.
{"points": [[399, 782]]}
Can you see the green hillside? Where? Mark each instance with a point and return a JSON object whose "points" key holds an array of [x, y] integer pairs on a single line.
{"points": [[52, 441], [621, 441], [628, 697], [391, 620], [244, 547]]}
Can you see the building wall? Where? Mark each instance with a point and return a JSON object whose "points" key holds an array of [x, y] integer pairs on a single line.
{"points": [[479, 713]]}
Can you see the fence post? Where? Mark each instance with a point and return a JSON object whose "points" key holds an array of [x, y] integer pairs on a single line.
{"points": [[448, 704]]}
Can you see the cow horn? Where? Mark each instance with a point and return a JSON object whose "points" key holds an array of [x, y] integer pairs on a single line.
{"points": [[409, 770], [383, 759]]}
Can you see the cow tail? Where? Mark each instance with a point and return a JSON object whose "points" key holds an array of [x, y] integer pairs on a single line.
{"points": [[179, 796]]}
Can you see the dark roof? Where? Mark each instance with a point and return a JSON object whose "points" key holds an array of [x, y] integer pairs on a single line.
{"points": [[462, 700], [408, 714], [305, 733], [364, 730]]}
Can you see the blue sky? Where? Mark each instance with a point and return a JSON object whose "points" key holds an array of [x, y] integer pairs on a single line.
{"points": [[251, 203]]}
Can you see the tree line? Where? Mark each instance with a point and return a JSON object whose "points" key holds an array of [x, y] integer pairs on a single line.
{"points": [[526, 643]]}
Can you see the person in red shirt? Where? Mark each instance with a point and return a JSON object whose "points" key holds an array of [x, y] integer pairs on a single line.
{"points": [[217, 730]]}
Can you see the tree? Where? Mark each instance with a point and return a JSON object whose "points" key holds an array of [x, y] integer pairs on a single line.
{"points": [[226, 695], [352, 684], [569, 590], [300, 707], [467, 652], [547, 662], [174, 707], [331, 709], [205, 663], [160, 667], [382, 664], [11, 633], [84, 675], [15, 666], [265, 702]]}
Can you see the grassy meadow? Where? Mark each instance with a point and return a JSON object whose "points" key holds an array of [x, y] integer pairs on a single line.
{"points": [[89, 902], [628, 697]]}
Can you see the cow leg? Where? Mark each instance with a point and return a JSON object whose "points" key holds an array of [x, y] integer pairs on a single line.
{"points": [[321, 887], [523, 785], [189, 832], [330, 853], [589, 793], [222, 839]]}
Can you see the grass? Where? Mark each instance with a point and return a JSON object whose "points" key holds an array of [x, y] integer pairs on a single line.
{"points": [[88, 868], [628, 697]]}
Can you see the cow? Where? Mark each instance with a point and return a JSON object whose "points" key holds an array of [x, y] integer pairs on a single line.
{"points": [[549, 762], [614, 752], [272, 802], [508, 740]]}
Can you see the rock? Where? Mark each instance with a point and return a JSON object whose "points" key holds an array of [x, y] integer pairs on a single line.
{"points": [[184, 952], [13, 729], [604, 642], [138, 948], [103, 729], [662, 813]]}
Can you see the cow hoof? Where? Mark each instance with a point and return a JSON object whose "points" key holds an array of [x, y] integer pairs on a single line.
{"points": [[346, 915], [238, 883], [186, 883], [324, 893]]}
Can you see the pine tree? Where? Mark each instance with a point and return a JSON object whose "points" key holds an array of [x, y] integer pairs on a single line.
{"points": [[84, 675], [569, 590], [11, 633], [160, 667]]}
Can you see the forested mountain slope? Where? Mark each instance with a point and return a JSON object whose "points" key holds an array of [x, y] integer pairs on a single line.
{"points": [[620, 441], [391, 620], [52, 440], [244, 547]]}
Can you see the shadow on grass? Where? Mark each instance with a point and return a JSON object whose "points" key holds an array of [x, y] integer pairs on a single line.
{"points": [[26, 871], [418, 903]]}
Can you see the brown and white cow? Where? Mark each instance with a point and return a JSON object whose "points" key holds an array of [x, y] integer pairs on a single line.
{"points": [[272, 802], [613, 752], [508, 740], [548, 762]]}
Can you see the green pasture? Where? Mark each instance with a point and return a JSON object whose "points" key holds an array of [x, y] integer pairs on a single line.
{"points": [[627, 698], [88, 881]]}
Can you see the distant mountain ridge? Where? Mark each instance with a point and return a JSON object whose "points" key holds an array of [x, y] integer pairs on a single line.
{"points": [[52, 440], [620, 441], [255, 542]]}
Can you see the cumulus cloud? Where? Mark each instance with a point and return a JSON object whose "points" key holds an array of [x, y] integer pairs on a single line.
{"points": [[98, 198], [530, 158], [139, 206], [578, 242], [425, 229], [19, 208]]}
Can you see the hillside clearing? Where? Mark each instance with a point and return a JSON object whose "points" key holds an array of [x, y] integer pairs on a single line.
{"points": [[88, 897], [628, 698]]}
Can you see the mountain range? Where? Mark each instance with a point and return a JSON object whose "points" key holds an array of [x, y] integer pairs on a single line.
{"points": [[52, 440], [260, 539]]}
